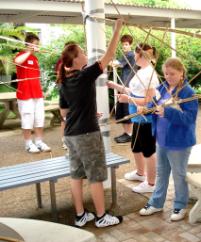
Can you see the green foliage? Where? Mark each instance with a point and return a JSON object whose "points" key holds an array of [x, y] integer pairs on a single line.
{"points": [[4, 88], [48, 60], [7, 48], [190, 53], [153, 3]]}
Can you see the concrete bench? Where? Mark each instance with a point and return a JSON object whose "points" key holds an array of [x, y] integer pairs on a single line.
{"points": [[29, 230], [51, 170], [194, 162], [194, 180], [10, 105], [53, 108]]}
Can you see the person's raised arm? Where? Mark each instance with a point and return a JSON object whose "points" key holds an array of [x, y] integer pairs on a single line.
{"points": [[22, 58], [111, 49], [118, 87]]}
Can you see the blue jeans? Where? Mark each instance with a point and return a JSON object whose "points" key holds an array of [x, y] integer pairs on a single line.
{"points": [[167, 160]]}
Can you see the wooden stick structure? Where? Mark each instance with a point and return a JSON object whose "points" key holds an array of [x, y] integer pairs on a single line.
{"points": [[153, 109]]}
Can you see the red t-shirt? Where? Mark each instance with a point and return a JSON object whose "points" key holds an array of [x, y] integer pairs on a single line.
{"points": [[30, 88]]}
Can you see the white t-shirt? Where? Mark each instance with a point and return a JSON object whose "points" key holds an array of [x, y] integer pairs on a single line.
{"points": [[144, 79]]}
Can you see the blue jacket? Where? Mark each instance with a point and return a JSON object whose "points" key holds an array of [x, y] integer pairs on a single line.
{"points": [[127, 73], [180, 131]]}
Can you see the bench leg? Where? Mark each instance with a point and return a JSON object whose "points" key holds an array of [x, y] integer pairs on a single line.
{"points": [[114, 188], [53, 201], [114, 206], [38, 193], [195, 212], [56, 119], [3, 116]]}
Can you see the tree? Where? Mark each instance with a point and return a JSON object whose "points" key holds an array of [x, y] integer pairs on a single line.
{"points": [[7, 48]]}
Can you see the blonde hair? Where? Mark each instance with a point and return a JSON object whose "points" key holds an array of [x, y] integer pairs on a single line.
{"points": [[176, 64]]}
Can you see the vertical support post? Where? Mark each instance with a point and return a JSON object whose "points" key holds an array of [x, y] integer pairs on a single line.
{"points": [[173, 37], [53, 201], [38, 195], [115, 81], [96, 44]]}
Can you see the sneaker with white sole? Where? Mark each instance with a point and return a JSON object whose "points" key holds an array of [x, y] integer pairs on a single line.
{"points": [[108, 220], [143, 187], [133, 176], [32, 148], [178, 214], [149, 210], [64, 146], [86, 217], [43, 147]]}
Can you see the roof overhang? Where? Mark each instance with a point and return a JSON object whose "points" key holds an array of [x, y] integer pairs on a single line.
{"points": [[63, 12]]}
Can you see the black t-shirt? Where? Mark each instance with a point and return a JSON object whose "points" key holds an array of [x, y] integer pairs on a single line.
{"points": [[79, 92]]}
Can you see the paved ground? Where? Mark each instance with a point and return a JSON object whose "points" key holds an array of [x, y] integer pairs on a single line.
{"points": [[21, 202]]}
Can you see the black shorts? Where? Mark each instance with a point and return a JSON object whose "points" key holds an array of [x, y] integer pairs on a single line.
{"points": [[121, 111], [143, 140]]}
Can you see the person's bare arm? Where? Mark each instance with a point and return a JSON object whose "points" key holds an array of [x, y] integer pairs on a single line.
{"points": [[118, 87], [149, 94], [22, 58], [110, 52], [30, 50]]}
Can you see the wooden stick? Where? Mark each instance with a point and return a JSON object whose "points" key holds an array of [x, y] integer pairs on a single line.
{"points": [[9, 239], [152, 110]]}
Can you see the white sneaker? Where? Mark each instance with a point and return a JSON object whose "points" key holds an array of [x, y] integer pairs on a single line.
{"points": [[133, 176], [86, 217], [64, 146], [32, 148], [143, 187], [108, 220], [178, 214], [43, 147], [149, 210]]}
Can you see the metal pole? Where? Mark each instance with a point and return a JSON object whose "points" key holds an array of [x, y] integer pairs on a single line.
{"points": [[96, 45], [115, 81], [173, 37]]}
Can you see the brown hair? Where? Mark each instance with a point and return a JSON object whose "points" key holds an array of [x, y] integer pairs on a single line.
{"points": [[69, 53], [148, 49], [127, 38], [71, 42], [175, 63], [30, 37]]}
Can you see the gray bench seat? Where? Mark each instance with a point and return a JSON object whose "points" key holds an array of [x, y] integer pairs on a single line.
{"points": [[50, 170]]}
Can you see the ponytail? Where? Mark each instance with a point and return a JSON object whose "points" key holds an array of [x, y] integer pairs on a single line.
{"points": [[68, 55]]}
